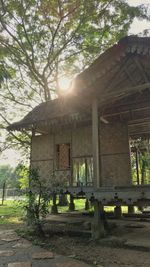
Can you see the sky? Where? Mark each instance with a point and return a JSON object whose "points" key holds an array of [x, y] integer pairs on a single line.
{"points": [[13, 157], [138, 26]]}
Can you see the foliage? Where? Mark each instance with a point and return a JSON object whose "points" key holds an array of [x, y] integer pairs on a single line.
{"points": [[21, 173], [143, 159], [144, 162], [38, 201], [7, 176], [14, 177], [44, 40], [5, 71]]}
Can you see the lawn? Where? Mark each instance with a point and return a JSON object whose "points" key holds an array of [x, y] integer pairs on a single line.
{"points": [[79, 206], [11, 212]]}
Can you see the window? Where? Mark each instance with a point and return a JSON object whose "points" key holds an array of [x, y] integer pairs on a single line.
{"points": [[83, 171], [63, 156]]}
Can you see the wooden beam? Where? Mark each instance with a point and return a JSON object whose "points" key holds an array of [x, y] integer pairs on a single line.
{"points": [[140, 67], [129, 75], [95, 143], [120, 93], [117, 71]]}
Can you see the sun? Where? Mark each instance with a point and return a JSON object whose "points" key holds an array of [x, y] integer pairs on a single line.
{"points": [[64, 84]]}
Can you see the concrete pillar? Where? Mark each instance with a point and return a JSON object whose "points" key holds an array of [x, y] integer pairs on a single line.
{"points": [[130, 209], [118, 212], [54, 209], [98, 230], [71, 203]]}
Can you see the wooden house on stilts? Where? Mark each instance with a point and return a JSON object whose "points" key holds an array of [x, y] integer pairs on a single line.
{"points": [[80, 141]]}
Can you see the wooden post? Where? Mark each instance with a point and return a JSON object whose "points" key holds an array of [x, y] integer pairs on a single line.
{"points": [[118, 212], [98, 224], [98, 230], [71, 203], [95, 143], [130, 209], [54, 209], [30, 216], [87, 204]]}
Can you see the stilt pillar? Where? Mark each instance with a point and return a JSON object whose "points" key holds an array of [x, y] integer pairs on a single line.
{"points": [[98, 230], [87, 204], [71, 204], [130, 209], [54, 209], [63, 201], [118, 212]]}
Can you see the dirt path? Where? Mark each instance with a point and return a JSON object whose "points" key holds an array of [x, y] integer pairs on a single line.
{"points": [[14, 249]]}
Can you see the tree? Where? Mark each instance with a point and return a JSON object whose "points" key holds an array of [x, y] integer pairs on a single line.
{"points": [[46, 39], [22, 174], [140, 160], [6, 177], [6, 173], [14, 177], [38, 202], [5, 71], [144, 161]]}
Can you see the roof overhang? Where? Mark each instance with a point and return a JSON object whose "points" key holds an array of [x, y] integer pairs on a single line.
{"points": [[119, 78]]}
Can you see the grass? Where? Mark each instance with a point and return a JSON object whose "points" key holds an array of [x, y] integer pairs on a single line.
{"points": [[11, 212], [79, 206]]}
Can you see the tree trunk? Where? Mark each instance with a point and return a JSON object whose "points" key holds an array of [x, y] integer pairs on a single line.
{"points": [[143, 173], [3, 194]]}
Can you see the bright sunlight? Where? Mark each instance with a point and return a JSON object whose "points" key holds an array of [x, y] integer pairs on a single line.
{"points": [[64, 84]]}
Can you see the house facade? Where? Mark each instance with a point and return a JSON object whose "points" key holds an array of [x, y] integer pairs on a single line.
{"points": [[65, 158], [80, 141]]}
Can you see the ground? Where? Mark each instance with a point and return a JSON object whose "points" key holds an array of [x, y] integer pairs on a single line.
{"points": [[127, 246], [17, 250], [75, 248], [99, 255]]}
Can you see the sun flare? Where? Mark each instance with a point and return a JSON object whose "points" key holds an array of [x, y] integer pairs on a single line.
{"points": [[64, 84]]}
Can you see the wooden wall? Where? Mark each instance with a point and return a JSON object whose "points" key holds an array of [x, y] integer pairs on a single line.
{"points": [[82, 142], [43, 156], [114, 153], [42, 151]]}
